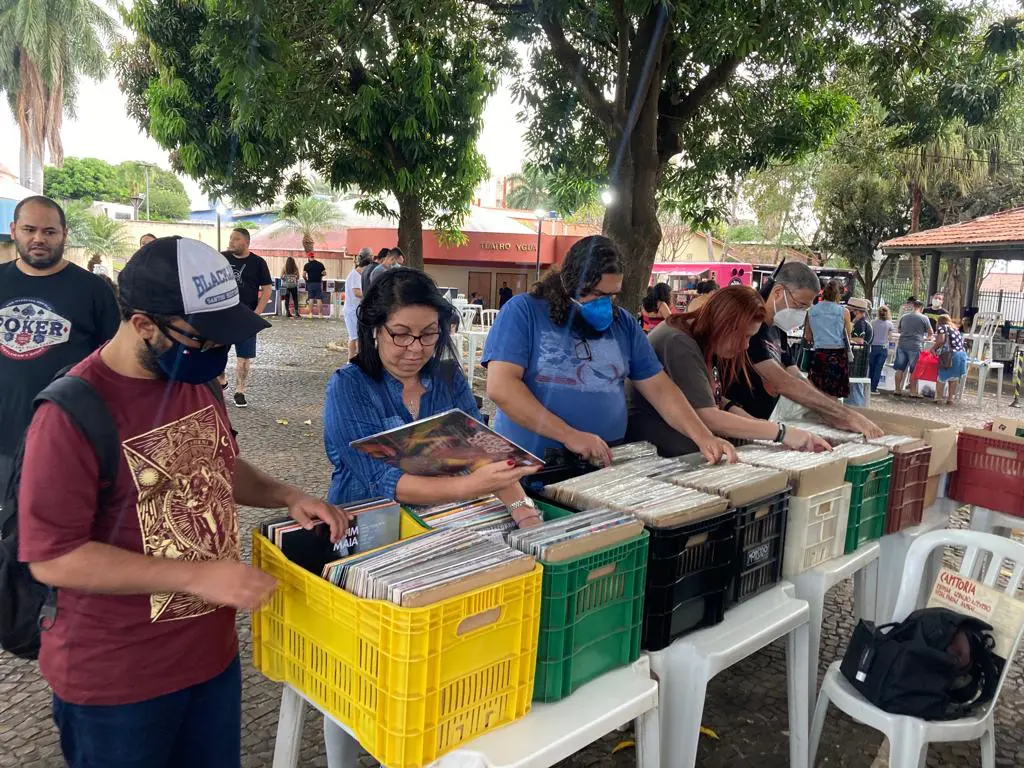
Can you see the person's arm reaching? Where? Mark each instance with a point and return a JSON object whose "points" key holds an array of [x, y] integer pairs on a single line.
{"points": [[776, 379], [671, 404], [738, 424]]}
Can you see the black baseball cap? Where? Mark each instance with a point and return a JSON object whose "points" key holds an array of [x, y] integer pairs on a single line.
{"points": [[182, 277]]}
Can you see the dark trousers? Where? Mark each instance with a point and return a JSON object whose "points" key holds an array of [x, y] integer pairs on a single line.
{"points": [[198, 727], [293, 294], [876, 362]]}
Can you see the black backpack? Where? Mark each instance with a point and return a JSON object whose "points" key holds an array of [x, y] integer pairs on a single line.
{"points": [[937, 664], [27, 608]]}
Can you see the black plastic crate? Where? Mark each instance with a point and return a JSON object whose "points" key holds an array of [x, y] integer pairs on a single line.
{"points": [[689, 569], [559, 465], [760, 539]]}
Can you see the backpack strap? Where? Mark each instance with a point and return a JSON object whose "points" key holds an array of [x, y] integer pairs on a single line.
{"points": [[89, 413]]}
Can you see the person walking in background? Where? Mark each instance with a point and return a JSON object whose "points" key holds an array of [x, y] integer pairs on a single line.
{"points": [[705, 289], [914, 329], [394, 259], [655, 309], [504, 295], [290, 286], [52, 314], [860, 339], [353, 298], [826, 328], [255, 287], [881, 330], [313, 271], [949, 346]]}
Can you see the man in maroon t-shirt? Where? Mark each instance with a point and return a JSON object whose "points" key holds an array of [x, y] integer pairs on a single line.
{"points": [[143, 657]]}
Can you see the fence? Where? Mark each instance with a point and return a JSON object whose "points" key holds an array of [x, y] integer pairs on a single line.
{"points": [[895, 290]]}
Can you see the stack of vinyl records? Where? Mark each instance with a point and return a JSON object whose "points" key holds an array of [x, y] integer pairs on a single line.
{"points": [[830, 434], [428, 568], [576, 535], [739, 483], [656, 503], [631, 451], [782, 458], [375, 522], [859, 453], [891, 441], [487, 515]]}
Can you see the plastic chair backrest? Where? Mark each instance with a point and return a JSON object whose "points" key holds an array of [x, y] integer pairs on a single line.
{"points": [[469, 316], [488, 317], [976, 545], [983, 330]]}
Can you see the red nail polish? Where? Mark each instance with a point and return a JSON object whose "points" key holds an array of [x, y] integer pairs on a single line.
{"points": [[511, 462]]}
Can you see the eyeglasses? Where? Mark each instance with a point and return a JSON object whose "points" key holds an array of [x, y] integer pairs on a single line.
{"points": [[581, 349], [796, 304], [426, 340], [202, 343]]}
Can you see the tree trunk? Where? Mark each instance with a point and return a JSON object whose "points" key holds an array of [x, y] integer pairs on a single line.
{"points": [[410, 230], [632, 223], [917, 278]]}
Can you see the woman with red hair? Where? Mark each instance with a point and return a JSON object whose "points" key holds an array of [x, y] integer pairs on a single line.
{"points": [[703, 353]]}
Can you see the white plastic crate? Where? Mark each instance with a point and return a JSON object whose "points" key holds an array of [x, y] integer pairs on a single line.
{"points": [[816, 529]]}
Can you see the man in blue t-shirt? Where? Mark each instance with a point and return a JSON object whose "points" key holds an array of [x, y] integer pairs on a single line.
{"points": [[558, 359]]}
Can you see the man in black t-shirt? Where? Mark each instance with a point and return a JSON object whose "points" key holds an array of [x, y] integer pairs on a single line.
{"points": [[775, 373], [52, 314], [504, 295], [255, 287], [313, 271]]}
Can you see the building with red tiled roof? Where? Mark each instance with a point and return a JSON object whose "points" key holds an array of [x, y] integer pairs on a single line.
{"points": [[996, 236]]}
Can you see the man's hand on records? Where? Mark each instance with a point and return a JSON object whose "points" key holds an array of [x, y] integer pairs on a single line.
{"points": [[801, 440], [304, 509], [589, 447], [492, 477], [713, 449], [857, 422], [232, 584]]}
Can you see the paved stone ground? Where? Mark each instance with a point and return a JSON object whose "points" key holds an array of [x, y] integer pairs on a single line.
{"points": [[746, 705]]}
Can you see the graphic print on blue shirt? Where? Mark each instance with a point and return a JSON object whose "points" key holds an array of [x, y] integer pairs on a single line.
{"points": [[582, 381]]}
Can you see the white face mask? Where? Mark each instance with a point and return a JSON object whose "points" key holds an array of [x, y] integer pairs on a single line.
{"points": [[788, 320]]}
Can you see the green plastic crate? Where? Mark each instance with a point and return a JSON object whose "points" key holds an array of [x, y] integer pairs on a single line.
{"points": [[868, 501], [592, 611], [549, 510]]}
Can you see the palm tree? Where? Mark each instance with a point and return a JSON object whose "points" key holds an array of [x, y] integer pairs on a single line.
{"points": [[529, 189], [310, 217], [45, 47]]}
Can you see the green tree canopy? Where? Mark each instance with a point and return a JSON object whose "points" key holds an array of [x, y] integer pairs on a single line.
{"points": [[384, 96], [88, 178], [668, 102]]}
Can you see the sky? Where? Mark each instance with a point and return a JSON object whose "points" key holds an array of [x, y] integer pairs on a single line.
{"points": [[103, 130]]}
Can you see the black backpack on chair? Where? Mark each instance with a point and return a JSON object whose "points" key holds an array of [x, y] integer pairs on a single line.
{"points": [[936, 664], [26, 606]]}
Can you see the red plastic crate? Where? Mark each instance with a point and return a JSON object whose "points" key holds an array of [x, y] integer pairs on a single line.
{"points": [[990, 473], [908, 487]]}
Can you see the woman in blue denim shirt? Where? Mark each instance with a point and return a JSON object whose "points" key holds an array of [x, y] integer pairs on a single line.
{"points": [[400, 375]]}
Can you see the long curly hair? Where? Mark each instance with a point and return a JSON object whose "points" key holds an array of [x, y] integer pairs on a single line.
{"points": [[585, 264]]}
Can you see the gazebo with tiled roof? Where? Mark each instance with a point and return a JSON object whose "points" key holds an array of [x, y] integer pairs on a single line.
{"points": [[996, 236]]}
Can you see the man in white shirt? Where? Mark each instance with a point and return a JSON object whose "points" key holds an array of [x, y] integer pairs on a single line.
{"points": [[354, 297]]}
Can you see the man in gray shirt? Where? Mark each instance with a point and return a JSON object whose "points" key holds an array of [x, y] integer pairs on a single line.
{"points": [[394, 259], [914, 329]]}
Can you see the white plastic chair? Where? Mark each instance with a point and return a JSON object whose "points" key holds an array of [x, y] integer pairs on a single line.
{"points": [[990, 521], [909, 736], [487, 317], [470, 317], [685, 668]]}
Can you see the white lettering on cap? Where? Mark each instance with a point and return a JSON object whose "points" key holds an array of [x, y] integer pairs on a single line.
{"points": [[207, 280]]}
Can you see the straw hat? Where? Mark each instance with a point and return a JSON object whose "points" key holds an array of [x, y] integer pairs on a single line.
{"points": [[858, 303]]}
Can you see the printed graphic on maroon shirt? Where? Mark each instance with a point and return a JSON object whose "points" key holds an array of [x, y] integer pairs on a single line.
{"points": [[172, 499], [29, 327], [186, 505]]}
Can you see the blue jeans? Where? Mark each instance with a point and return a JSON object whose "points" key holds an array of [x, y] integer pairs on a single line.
{"points": [[198, 727], [876, 362], [856, 396]]}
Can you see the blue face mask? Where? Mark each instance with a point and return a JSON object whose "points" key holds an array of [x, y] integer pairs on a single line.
{"points": [[189, 366], [598, 313]]}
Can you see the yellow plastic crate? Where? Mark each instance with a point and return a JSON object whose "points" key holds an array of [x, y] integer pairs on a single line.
{"points": [[411, 683]]}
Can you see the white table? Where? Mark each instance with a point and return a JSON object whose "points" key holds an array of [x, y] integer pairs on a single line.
{"points": [[548, 734]]}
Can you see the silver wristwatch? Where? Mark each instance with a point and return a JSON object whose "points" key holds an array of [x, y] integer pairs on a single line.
{"points": [[527, 502]]}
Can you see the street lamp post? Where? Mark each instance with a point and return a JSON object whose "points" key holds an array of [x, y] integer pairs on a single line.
{"points": [[541, 215], [147, 191], [220, 212]]}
